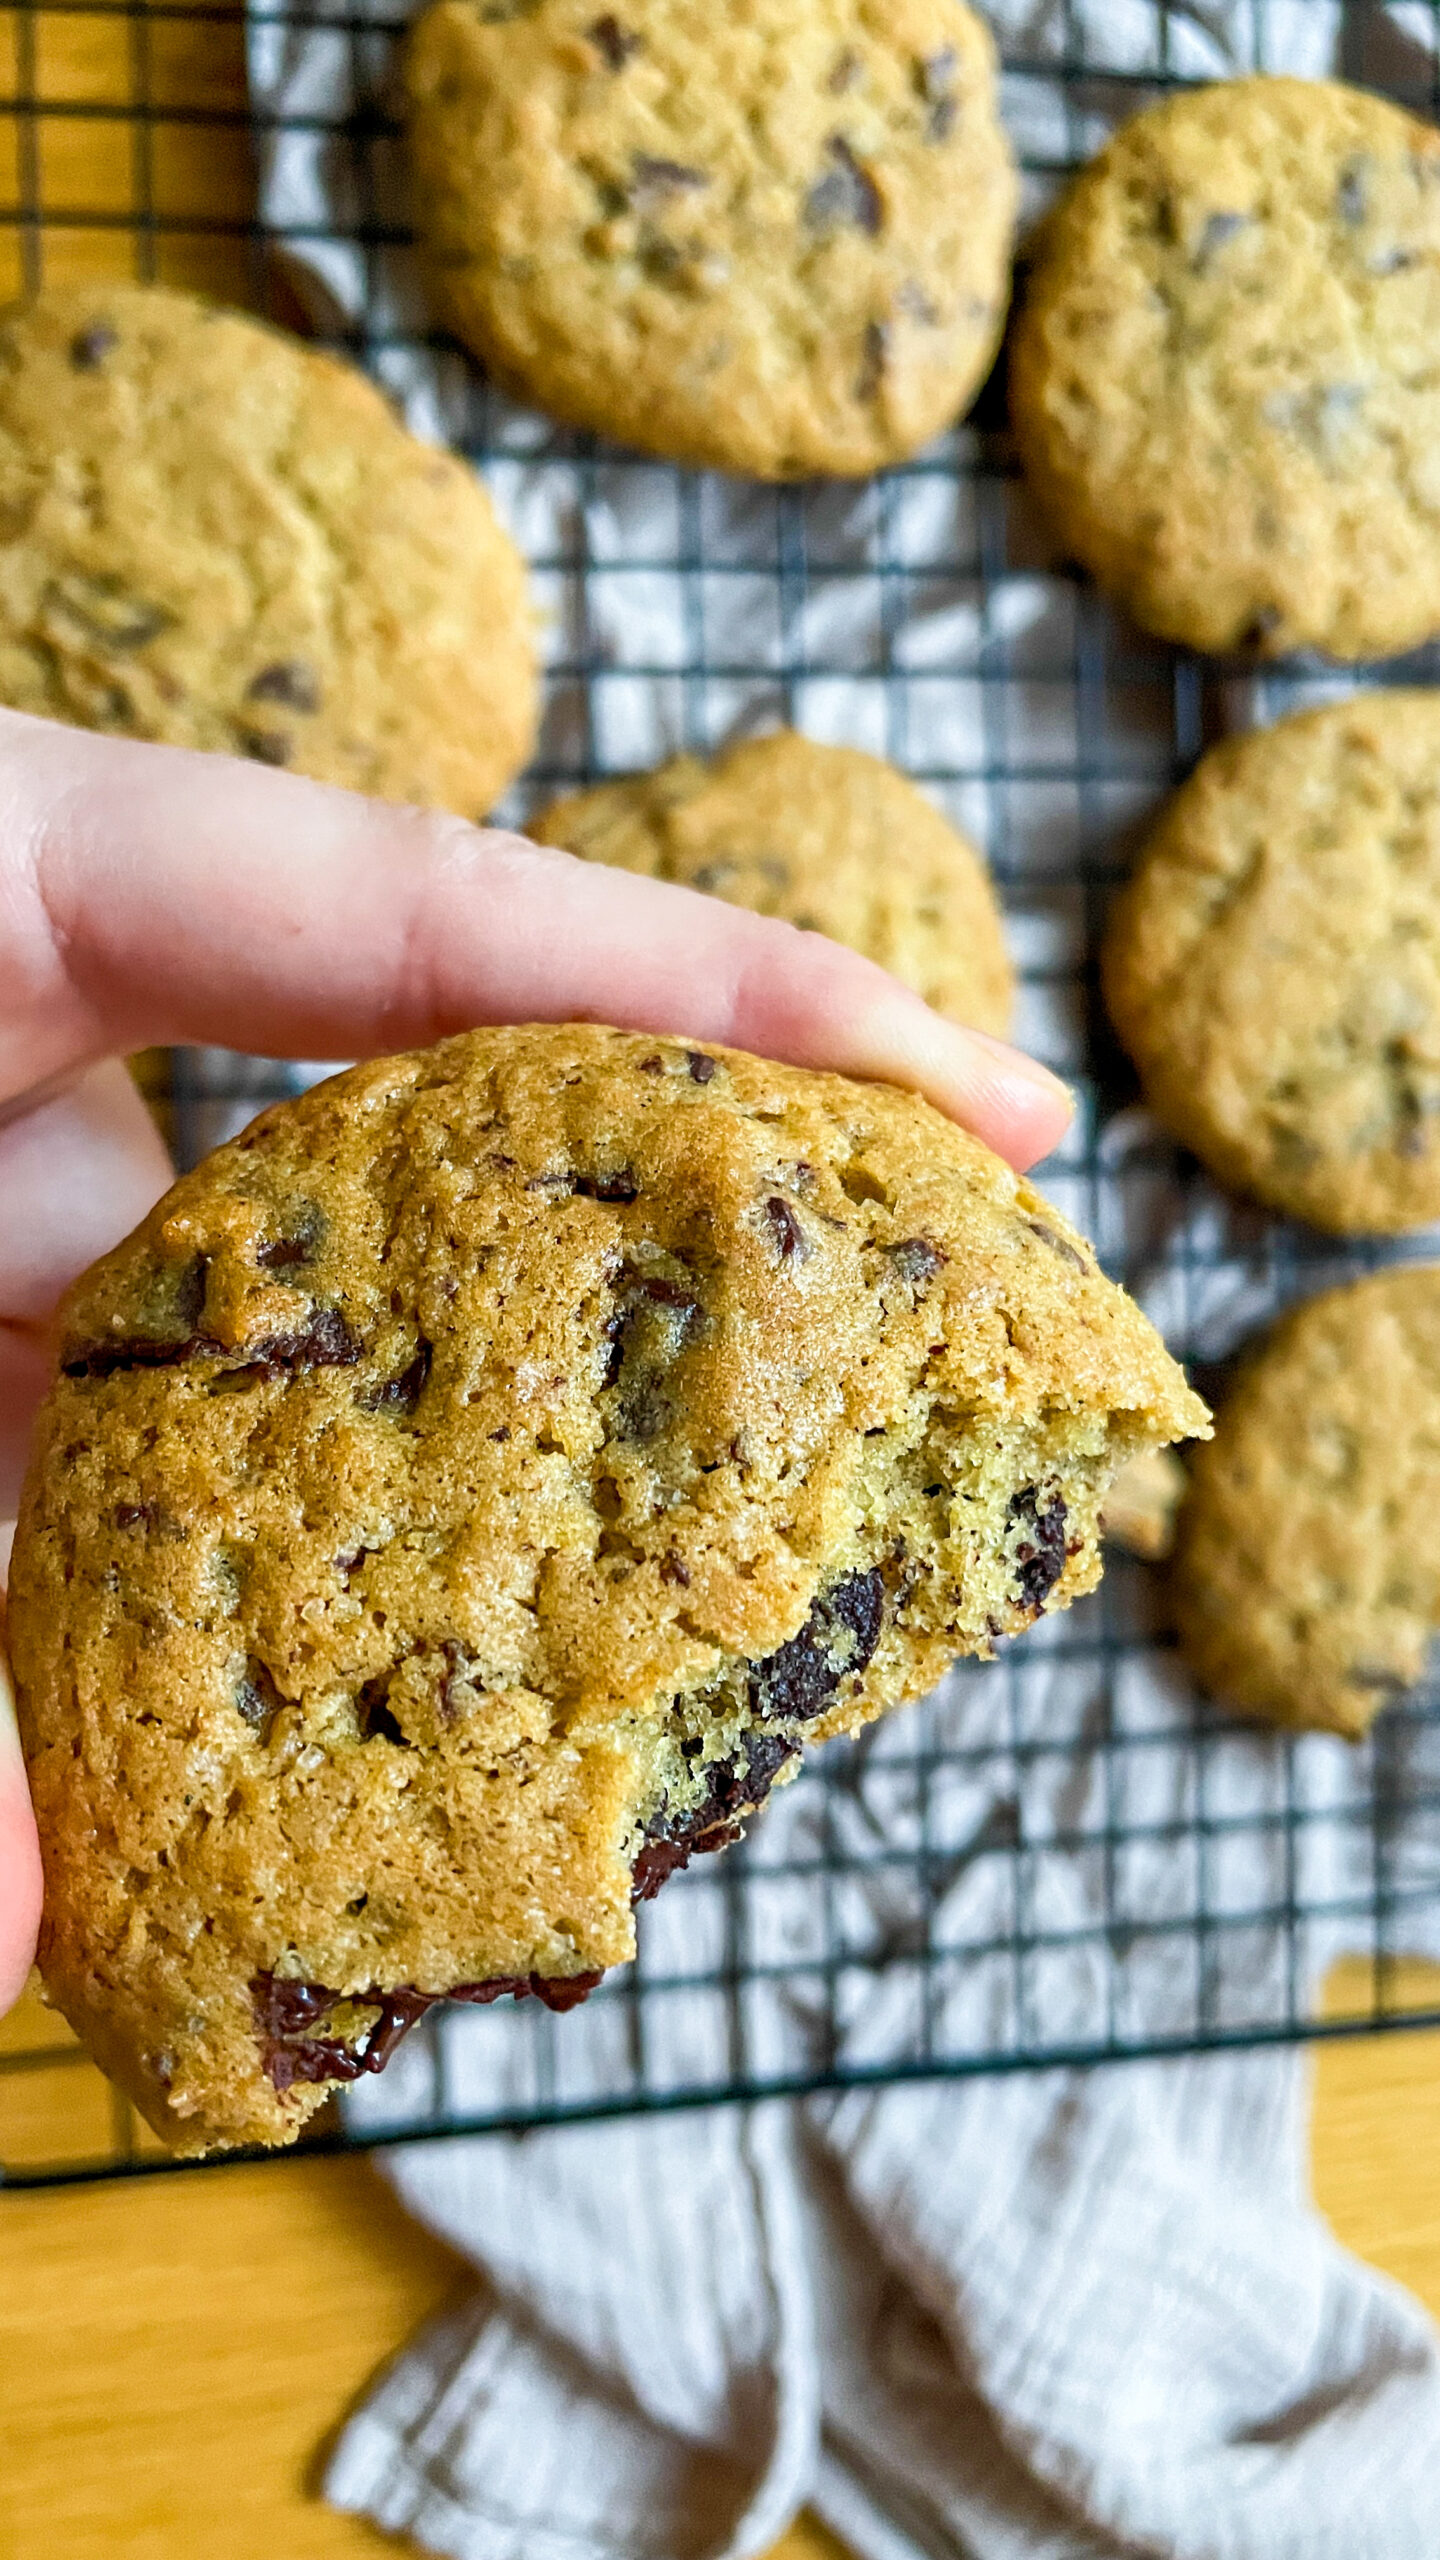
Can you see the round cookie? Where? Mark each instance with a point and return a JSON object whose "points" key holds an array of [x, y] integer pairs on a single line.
{"points": [[1307, 1586], [1274, 965], [774, 239], [826, 837], [464, 1492], [214, 536], [1222, 383]]}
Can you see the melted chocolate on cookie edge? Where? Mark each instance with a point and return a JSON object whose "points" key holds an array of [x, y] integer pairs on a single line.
{"points": [[285, 2012]]}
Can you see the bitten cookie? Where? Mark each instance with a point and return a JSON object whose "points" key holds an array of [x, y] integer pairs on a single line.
{"points": [[773, 239], [214, 536], [1274, 965], [823, 836], [465, 1492], [1307, 1585], [1222, 379]]}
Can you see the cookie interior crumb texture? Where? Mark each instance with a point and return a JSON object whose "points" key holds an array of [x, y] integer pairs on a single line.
{"points": [[1307, 1587], [772, 239], [1222, 380], [826, 837], [214, 536], [1274, 966], [466, 1491]]}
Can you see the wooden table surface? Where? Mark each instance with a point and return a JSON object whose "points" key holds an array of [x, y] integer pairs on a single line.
{"points": [[175, 2353]]}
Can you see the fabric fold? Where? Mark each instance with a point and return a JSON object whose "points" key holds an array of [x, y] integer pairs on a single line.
{"points": [[1128, 2270], [1072, 2317], [645, 2378]]}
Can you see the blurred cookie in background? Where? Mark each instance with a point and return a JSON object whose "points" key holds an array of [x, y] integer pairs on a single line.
{"points": [[1139, 1511], [214, 536], [1222, 379], [772, 240], [1307, 1586], [825, 837], [1273, 967]]}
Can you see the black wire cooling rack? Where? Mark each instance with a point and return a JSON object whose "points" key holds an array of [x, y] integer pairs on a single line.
{"points": [[1066, 1857]]}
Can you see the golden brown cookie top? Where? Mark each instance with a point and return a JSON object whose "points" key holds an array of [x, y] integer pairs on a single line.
{"points": [[1274, 965], [464, 1493], [479, 1192], [1220, 379], [829, 839], [1306, 1578], [215, 536], [773, 239]]}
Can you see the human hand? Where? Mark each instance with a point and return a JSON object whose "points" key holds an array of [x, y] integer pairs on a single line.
{"points": [[151, 897]]}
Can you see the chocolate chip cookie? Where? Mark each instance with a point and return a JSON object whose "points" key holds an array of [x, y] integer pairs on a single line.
{"points": [[826, 837], [773, 239], [1306, 1583], [1221, 379], [214, 536], [465, 1493], [1274, 966]]}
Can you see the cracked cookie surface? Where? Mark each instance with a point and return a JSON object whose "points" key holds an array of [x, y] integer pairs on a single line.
{"points": [[773, 240], [1273, 967], [1307, 1587], [214, 536], [466, 1492], [826, 837], [1222, 379]]}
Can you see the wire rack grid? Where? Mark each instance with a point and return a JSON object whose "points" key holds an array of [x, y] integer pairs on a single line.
{"points": [[1065, 1857]]}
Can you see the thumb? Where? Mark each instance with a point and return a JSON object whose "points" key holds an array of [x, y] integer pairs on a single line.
{"points": [[19, 1854]]}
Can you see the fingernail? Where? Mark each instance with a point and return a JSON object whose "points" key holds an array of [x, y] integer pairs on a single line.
{"points": [[951, 1063], [1014, 1066]]}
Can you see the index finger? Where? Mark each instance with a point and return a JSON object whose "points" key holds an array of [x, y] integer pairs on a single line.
{"points": [[155, 895]]}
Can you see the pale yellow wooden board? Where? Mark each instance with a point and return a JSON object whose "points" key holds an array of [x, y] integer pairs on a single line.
{"points": [[173, 2355]]}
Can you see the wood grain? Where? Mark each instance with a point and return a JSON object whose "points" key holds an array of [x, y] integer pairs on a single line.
{"points": [[175, 2353]]}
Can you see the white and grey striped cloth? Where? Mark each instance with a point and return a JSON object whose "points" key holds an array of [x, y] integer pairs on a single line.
{"points": [[1068, 2316]]}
